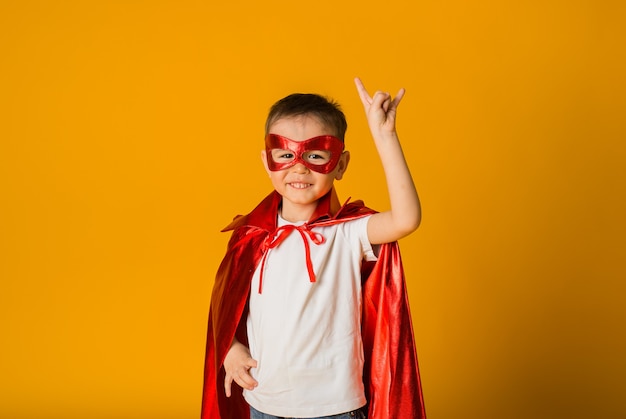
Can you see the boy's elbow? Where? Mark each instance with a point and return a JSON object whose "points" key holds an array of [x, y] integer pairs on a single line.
{"points": [[416, 223], [411, 217], [409, 225], [414, 220], [391, 226], [413, 225]]}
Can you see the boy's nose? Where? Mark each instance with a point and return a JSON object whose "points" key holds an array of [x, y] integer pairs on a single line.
{"points": [[299, 168]]}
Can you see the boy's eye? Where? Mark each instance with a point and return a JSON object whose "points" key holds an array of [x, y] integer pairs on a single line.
{"points": [[318, 156], [282, 155]]}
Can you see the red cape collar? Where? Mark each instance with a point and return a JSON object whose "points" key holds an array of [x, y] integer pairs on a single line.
{"points": [[328, 209]]}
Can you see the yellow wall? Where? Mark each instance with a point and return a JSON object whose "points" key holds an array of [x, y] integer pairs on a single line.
{"points": [[130, 134]]}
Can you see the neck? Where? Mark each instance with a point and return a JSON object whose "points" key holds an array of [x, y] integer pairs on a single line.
{"points": [[295, 213]]}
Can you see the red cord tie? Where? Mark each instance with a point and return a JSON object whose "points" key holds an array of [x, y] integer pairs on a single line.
{"points": [[279, 236]]}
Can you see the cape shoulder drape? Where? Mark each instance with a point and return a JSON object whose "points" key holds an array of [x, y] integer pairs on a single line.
{"points": [[391, 374]]}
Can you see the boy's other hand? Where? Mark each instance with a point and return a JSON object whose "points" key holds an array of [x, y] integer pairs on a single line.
{"points": [[237, 365]]}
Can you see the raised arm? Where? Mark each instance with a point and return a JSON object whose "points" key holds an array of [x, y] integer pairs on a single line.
{"points": [[405, 214]]}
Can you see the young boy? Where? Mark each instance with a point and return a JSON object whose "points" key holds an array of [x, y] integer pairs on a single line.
{"points": [[306, 318]]}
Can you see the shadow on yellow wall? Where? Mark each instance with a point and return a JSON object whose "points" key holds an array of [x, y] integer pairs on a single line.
{"points": [[130, 135]]}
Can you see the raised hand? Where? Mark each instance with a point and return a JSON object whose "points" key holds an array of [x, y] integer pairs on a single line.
{"points": [[380, 109]]}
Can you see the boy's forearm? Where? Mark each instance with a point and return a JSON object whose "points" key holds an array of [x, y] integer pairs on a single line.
{"points": [[404, 215]]}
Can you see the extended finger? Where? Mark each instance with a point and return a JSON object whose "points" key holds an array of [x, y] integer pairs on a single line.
{"points": [[227, 385], [396, 100], [365, 97]]}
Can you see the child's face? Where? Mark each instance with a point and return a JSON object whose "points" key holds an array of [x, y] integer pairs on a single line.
{"points": [[299, 185]]}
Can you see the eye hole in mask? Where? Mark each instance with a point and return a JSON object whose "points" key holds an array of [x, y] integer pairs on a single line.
{"points": [[320, 154]]}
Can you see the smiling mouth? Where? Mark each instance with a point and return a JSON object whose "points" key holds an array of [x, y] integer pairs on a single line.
{"points": [[299, 185]]}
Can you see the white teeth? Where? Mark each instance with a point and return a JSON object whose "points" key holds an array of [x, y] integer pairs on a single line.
{"points": [[299, 185]]}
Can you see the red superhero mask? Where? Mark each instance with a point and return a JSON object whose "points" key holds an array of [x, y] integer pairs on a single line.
{"points": [[320, 154]]}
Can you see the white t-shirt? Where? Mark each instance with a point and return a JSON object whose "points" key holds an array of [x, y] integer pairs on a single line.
{"points": [[306, 336]]}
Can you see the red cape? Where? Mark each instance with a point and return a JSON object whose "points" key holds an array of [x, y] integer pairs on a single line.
{"points": [[391, 375]]}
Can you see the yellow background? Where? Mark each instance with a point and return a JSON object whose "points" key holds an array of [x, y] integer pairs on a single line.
{"points": [[130, 134]]}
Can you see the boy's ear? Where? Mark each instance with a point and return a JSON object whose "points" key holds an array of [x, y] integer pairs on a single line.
{"points": [[264, 159], [342, 165]]}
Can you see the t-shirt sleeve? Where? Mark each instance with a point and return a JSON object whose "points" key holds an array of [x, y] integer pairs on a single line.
{"points": [[358, 230]]}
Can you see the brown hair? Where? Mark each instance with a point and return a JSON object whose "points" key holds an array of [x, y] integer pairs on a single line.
{"points": [[325, 110]]}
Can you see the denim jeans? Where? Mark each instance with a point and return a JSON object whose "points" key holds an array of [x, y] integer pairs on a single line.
{"points": [[355, 414]]}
